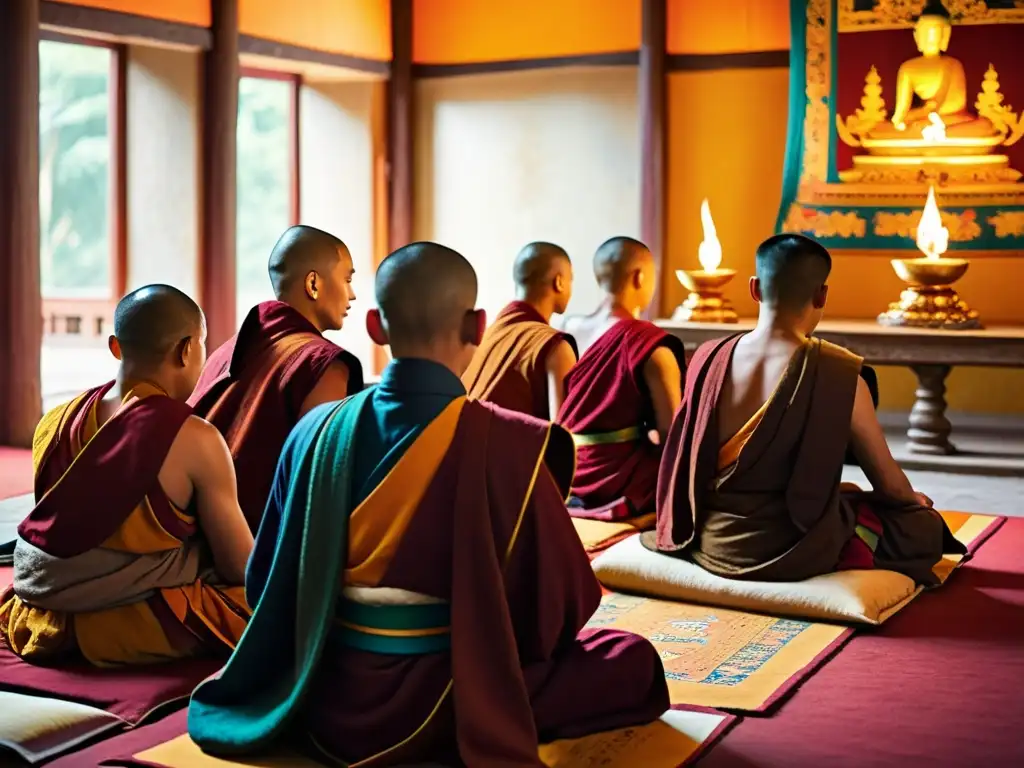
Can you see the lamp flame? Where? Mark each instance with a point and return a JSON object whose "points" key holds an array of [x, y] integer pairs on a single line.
{"points": [[935, 131], [932, 237], [709, 253]]}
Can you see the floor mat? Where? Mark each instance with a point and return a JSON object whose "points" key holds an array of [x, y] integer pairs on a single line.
{"points": [[720, 658], [15, 471], [125, 697], [938, 686], [676, 740]]}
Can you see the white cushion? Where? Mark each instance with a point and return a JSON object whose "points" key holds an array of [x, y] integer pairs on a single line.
{"points": [[865, 597]]}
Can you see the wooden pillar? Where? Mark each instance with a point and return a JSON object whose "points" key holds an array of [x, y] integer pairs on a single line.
{"points": [[21, 312], [220, 123], [652, 133], [400, 126]]}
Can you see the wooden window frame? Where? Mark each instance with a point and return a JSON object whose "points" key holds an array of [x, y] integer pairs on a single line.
{"points": [[294, 116], [118, 120]]}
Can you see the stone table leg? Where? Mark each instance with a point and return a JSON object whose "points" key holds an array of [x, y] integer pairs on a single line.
{"points": [[929, 428]]}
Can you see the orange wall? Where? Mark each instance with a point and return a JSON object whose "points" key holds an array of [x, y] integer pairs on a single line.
{"points": [[355, 27], [185, 11], [466, 31], [727, 26], [727, 135]]}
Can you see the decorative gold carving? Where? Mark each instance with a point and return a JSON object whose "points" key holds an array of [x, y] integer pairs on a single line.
{"points": [[963, 227], [871, 113], [900, 14], [814, 169], [824, 223], [990, 105], [937, 175], [1008, 223]]}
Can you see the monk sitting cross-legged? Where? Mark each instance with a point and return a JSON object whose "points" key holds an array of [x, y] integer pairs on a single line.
{"points": [[750, 480], [133, 495], [522, 361], [420, 593], [621, 395], [279, 366]]}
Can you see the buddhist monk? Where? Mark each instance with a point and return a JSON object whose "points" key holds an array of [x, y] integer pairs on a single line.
{"points": [[522, 362], [621, 395], [423, 597], [279, 366], [135, 501], [750, 478]]}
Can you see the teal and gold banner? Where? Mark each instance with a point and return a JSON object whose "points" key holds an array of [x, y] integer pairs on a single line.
{"points": [[889, 98]]}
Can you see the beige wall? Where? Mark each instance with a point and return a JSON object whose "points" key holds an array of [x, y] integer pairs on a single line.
{"points": [[336, 185], [163, 167], [508, 158]]}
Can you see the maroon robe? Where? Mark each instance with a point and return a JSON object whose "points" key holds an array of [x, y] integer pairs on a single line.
{"points": [[253, 387], [491, 538], [777, 512], [606, 392]]}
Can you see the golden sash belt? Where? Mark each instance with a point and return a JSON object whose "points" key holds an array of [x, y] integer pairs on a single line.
{"points": [[627, 435]]}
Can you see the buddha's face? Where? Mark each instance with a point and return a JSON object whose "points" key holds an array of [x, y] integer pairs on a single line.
{"points": [[931, 33]]}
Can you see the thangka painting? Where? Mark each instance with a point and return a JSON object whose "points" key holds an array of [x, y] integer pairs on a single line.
{"points": [[892, 98]]}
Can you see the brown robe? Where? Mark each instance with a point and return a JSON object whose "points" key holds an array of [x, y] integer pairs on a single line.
{"points": [[776, 512], [510, 367]]}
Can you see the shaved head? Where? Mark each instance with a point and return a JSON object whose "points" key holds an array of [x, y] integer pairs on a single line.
{"points": [[536, 264], [424, 291], [151, 321], [791, 270], [616, 260], [299, 251]]}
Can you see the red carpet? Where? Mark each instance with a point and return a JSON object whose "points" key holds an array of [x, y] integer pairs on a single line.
{"points": [[938, 685], [15, 472]]}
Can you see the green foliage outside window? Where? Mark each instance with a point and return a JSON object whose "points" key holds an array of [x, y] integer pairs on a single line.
{"points": [[264, 182], [74, 169]]}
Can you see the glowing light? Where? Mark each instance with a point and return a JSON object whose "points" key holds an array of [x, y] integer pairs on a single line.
{"points": [[932, 237], [935, 131], [709, 253]]}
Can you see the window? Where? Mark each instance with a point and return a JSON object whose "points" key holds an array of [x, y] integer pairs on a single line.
{"points": [[80, 211], [266, 177], [75, 155]]}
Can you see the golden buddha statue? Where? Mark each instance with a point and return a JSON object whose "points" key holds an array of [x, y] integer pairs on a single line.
{"points": [[932, 83], [932, 135]]}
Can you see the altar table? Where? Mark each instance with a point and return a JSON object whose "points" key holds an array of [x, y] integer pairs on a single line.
{"points": [[930, 354]]}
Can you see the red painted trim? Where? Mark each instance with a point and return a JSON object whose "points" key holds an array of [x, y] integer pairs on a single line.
{"points": [[653, 117], [119, 171], [217, 262], [294, 132], [267, 74], [400, 123], [295, 149]]}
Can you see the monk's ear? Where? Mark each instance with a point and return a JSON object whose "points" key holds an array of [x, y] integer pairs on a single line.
{"points": [[638, 279], [184, 350], [114, 346], [755, 289], [559, 283], [473, 326], [375, 328], [312, 285], [820, 296]]}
